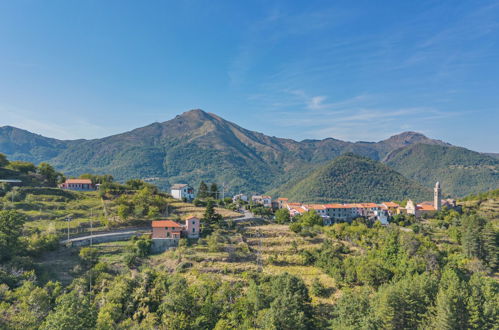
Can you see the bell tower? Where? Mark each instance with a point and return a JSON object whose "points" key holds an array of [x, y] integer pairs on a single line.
{"points": [[437, 197]]}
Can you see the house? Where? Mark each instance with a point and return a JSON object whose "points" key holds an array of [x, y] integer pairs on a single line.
{"points": [[239, 197], [341, 212], [419, 209], [381, 216], [163, 229], [295, 210], [391, 207], [282, 202], [170, 229], [191, 227], [266, 201], [320, 210], [167, 233], [182, 191], [78, 185]]}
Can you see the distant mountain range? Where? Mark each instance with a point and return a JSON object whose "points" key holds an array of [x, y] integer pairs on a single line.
{"points": [[197, 146]]}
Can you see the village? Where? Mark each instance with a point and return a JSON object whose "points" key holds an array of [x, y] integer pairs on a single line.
{"points": [[335, 212], [166, 233], [330, 212]]}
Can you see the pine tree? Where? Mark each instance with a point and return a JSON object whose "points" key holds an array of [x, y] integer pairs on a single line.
{"points": [[471, 237], [211, 219], [214, 190], [490, 239], [203, 190], [450, 310]]}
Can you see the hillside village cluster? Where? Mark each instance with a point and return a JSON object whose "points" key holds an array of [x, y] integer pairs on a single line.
{"points": [[330, 213]]}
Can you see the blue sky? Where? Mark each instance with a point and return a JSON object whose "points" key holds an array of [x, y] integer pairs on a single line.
{"points": [[352, 70]]}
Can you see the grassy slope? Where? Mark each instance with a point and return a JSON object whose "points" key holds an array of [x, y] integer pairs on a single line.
{"points": [[460, 171], [48, 212], [352, 178]]}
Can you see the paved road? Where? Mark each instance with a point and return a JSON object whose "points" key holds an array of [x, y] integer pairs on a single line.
{"points": [[124, 233], [117, 235]]}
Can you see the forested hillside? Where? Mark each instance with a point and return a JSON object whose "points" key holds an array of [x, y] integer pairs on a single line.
{"points": [[197, 146], [351, 178], [192, 147], [460, 171]]}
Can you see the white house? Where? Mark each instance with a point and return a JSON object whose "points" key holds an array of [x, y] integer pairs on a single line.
{"points": [[262, 200], [239, 197], [382, 216], [181, 191]]}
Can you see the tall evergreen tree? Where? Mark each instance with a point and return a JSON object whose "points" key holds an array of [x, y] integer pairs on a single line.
{"points": [[211, 219], [471, 236], [203, 190], [214, 190], [450, 309], [490, 239]]}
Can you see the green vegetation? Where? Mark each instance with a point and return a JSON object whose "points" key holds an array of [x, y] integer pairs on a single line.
{"points": [[249, 275], [460, 171], [351, 178]]}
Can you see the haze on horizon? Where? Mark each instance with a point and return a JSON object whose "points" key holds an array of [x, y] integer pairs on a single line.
{"points": [[351, 71]]}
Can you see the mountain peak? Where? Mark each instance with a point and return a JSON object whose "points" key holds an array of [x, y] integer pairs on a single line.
{"points": [[410, 137], [196, 114]]}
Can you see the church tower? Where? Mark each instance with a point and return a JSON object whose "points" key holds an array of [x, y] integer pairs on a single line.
{"points": [[437, 197]]}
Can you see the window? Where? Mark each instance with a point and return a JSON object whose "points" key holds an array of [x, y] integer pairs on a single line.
{"points": [[193, 222], [193, 230]]}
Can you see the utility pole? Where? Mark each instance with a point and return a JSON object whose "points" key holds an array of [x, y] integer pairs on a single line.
{"points": [[68, 219], [91, 227]]}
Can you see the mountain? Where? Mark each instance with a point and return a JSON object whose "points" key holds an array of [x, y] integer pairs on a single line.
{"points": [[459, 170], [352, 178], [197, 146], [19, 144]]}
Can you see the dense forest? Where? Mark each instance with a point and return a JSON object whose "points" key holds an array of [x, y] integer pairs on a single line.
{"points": [[352, 178]]}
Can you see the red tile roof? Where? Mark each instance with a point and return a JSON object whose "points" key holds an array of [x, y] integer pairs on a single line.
{"points": [[366, 205], [391, 204], [79, 181], [426, 207], [165, 224]]}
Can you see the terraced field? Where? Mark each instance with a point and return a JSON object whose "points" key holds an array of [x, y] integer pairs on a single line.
{"points": [[268, 248]]}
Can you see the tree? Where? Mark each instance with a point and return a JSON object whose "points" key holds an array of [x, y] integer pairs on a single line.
{"points": [[214, 191], [471, 235], [290, 308], [23, 167], [450, 307], [203, 190], [282, 216], [11, 226], [49, 174], [3, 160], [211, 218], [73, 311], [490, 239], [125, 210]]}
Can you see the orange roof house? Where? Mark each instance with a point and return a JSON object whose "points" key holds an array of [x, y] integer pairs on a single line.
{"points": [[78, 184], [165, 229]]}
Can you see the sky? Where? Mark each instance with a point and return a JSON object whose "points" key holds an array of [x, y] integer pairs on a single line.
{"points": [[351, 70]]}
